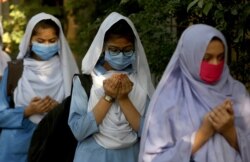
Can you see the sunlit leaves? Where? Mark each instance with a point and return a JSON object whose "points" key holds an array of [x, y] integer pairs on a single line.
{"points": [[13, 28]]}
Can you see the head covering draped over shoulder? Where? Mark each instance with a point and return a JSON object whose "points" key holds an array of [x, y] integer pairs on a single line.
{"points": [[182, 99], [68, 63], [4, 57], [96, 48]]}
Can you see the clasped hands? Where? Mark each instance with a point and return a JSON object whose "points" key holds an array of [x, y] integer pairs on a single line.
{"points": [[118, 86], [220, 119], [40, 105]]}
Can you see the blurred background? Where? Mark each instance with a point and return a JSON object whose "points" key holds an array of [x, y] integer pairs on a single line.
{"points": [[159, 23]]}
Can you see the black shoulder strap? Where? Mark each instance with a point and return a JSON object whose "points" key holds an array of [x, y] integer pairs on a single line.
{"points": [[86, 82], [15, 68]]}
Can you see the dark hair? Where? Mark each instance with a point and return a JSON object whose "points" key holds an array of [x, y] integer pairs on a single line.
{"points": [[120, 29], [46, 23], [216, 38]]}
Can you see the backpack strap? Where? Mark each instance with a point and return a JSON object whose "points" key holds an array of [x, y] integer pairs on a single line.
{"points": [[86, 82], [15, 68]]}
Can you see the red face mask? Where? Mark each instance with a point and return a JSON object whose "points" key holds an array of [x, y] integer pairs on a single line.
{"points": [[211, 73]]}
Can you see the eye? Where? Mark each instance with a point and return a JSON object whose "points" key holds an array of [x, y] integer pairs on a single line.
{"points": [[52, 40], [113, 49], [128, 52], [221, 57], [206, 57], [40, 41], [128, 49]]}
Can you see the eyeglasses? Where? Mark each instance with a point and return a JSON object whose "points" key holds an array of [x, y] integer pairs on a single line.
{"points": [[116, 51]]}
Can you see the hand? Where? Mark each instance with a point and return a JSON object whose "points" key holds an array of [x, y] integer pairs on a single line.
{"points": [[222, 118], [52, 103], [111, 85], [38, 105], [203, 134], [206, 126], [125, 88]]}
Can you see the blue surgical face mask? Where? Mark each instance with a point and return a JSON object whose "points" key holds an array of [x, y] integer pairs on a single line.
{"points": [[45, 51], [119, 62]]}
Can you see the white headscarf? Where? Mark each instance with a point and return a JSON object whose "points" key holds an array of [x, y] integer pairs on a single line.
{"points": [[115, 131], [44, 78], [95, 50], [182, 99], [4, 57], [68, 63]]}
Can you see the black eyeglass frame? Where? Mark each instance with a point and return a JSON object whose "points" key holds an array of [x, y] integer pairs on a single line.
{"points": [[113, 51]]}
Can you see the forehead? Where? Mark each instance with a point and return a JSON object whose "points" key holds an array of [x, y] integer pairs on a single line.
{"points": [[119, 42], [45, 33], [215, 47]]}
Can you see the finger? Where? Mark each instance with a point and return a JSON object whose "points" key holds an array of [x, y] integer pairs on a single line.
{"points": [[54, 103], [126, 78], [46, 99], [214, 117], [121, 88], [229, 107], [222, 115], [46, 104], [35, 99], [128, 86], [213, 122], [221, 112], [126, 83], [217, 114]]}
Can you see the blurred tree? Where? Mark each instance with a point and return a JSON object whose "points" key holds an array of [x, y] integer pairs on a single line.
{"points": [[13, 27]]}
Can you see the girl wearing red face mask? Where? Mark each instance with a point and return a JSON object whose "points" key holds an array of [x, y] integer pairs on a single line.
{"points": [[198, 111], [213, 62]]}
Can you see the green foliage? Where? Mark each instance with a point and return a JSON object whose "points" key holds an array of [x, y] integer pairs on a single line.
{"points": [[13, 29], [154, 24], [34, 7]]}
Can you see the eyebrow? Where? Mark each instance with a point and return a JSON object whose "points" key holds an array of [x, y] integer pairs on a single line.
{"points": [[47, 39], [112, 46], [223, 53]]}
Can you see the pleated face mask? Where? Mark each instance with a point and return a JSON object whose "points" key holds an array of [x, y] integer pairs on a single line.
{"points": [[120, 61], [211, 73], [45, 51]]}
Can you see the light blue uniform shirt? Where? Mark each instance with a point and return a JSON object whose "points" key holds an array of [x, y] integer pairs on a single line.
{"points": [[83, 126], [15, 130]]}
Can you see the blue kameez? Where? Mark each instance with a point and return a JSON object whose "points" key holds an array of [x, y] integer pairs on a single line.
{"points": [[83, 126], [15, 130]]}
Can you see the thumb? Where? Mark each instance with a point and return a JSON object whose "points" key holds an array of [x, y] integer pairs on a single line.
{"points": [[229, 107]]}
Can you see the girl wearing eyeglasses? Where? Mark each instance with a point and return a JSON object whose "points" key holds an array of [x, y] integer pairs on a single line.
{"points": [[108, 124]]}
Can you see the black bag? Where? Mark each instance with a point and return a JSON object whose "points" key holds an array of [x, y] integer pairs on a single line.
{"points": [[53, 140], [15, 72]]}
